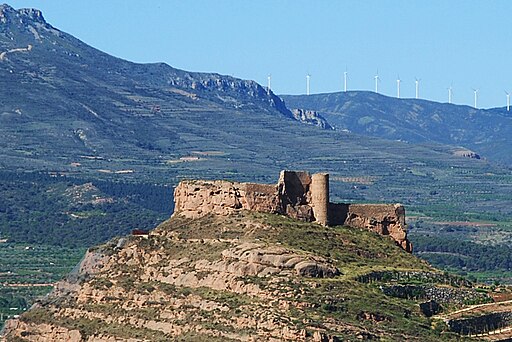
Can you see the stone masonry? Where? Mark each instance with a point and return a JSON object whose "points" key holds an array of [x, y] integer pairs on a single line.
{"points": [[297, 194]]}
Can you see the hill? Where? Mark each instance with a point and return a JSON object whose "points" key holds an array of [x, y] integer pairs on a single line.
{"points": [[216, 270], [485, 131], [46, 209], [244, 276]]}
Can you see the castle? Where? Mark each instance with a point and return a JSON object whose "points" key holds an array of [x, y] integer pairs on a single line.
{"points": [[297, 194]]}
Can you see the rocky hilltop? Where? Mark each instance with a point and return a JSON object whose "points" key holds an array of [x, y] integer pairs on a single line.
{"points": [[228, 267]]}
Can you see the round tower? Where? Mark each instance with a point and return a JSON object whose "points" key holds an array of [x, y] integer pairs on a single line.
{"points": [[320, 197]]}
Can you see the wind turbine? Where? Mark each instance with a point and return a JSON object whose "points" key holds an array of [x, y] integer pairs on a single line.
{"points": [[308, 76], [417, 87], [398, 80], [508, 100], [475, 91], [450, 94], [377, 80], [268, 83], [345, 74]]}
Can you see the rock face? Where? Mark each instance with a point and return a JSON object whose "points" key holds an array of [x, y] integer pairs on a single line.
{"points": [[7, 14], [298, 195], [430, 308], [43, 332], [310, 117]]}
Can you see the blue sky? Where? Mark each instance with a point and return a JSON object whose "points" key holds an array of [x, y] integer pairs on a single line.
{"points": [[465, 44]]}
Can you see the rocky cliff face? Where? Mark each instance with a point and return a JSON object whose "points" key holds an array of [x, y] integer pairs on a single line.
{"points": [[9, 15], [311, 117]]}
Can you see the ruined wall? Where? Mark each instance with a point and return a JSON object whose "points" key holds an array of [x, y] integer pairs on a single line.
{"points": [[294, 191], [291, 196], [298, 195], [384, 219], [197, 198]]}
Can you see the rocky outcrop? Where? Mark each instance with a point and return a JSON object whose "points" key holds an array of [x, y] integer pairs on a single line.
{"points": [[466, 153], [252, 259], [229, 89], [41, 332], [310, 117], [430, 308], [7, 13], [298, 195]]}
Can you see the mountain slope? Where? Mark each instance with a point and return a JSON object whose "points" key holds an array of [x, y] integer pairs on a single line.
{"points": [[69, 110], [62, 98], [486, 131], [245, 276]]}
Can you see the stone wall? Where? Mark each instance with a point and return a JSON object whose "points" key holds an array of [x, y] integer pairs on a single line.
{"points": [[415, 276], [294, 194], [439, 294], [481, 324], [298, 195], [197, 198], [384, 219]]}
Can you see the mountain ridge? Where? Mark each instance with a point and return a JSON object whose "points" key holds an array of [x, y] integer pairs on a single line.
{"points": [[101, 99], [161, 73], [485, 131]]}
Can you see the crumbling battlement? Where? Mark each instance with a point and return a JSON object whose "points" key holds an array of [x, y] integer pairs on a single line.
{"points": [[298, 195]]}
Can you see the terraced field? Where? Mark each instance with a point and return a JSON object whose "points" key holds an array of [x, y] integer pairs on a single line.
{"points": [[28, 271]]}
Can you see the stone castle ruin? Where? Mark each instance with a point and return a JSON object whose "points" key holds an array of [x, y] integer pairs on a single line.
{"points": [[297, 194]]}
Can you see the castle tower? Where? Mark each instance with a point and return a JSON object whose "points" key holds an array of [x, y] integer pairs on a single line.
{"points": [[320, 197]]}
